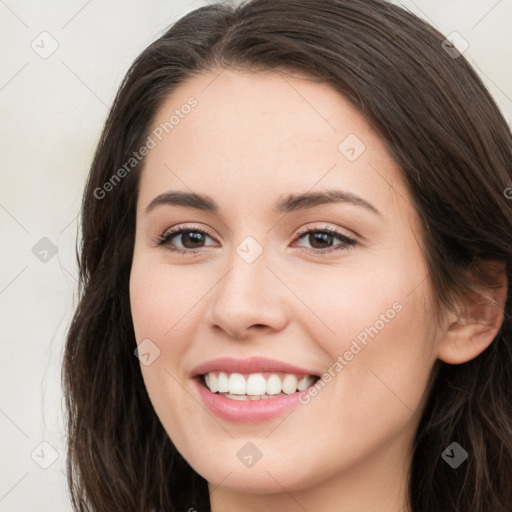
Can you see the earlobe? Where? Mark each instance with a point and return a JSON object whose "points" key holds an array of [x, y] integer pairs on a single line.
{"points": [[474, 329]]}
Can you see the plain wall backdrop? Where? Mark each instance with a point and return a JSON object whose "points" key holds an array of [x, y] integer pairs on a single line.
{"points": [[62, 63]]}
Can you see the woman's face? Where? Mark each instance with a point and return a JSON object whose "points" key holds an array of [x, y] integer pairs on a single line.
{"points": [[357, 313]]}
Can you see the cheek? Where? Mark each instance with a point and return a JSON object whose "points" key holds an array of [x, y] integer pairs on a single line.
{"points": [[376, 327], [165, 315], [381, 300], [160, 299], [156, 308]]}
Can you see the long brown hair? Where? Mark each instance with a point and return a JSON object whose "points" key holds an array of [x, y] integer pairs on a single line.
{"points": [[455, 151]]}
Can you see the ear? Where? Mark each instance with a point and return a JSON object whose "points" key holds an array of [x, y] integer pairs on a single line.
{"points": [[469, 332]]}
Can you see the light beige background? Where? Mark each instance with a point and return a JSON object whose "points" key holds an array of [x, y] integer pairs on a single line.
{"points": [[52, 111]]}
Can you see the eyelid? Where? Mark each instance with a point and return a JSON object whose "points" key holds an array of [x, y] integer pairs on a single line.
{"points": [[299, 232], [325, 227]]}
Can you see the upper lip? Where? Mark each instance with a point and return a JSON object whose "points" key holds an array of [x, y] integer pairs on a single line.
{"points": [[251, 365]]}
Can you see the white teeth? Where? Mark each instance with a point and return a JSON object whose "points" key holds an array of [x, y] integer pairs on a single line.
{"points": [[304, 383], [212, 383], [222, 383], [273, 385], [290, 384], [236, 397], [248, 397], [255, 385], [237, 384]]}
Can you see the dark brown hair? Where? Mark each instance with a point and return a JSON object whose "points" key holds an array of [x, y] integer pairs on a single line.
{"points": [[454, 149]]}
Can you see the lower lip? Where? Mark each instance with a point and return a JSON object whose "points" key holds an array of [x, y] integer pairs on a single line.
{"points": [[246, 411]]}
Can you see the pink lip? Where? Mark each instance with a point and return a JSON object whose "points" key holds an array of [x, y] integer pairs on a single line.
{"points": [[251, 365], [249, 411]]}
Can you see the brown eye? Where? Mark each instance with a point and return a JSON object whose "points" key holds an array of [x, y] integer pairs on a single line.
{"points": [[191, 239], [319, 238]]}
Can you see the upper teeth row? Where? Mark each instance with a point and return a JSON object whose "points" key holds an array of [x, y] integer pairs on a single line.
{"points": [[256, 383]]}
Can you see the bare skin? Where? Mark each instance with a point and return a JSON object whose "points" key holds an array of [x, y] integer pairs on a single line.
{"points": [[251, 140]]}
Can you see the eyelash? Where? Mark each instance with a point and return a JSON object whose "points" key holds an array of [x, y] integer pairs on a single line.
{"points": [[164, 239]]}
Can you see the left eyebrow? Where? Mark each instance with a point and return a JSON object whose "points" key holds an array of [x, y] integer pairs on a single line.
{"points": [[292, 202], [295, 202]]}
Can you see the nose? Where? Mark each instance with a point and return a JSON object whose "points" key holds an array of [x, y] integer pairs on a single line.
{"points": [[248, 300]]}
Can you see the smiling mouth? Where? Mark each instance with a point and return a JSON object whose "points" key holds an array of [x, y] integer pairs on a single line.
{"points": [[255, 386]]}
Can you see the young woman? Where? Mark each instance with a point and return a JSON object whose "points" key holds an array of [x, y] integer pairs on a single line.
{"points": [[295, 257]]}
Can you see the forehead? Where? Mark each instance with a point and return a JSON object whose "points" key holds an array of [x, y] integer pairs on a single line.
{"points": [[256, 136]]}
